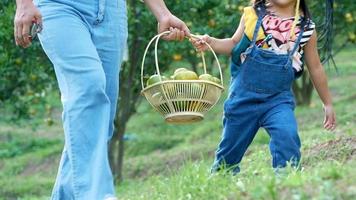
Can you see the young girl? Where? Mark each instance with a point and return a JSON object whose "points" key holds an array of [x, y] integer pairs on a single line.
{"points": [[268, 49]]}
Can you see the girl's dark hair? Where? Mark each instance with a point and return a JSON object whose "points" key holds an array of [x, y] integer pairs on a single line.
{"points": [[305, 9]]}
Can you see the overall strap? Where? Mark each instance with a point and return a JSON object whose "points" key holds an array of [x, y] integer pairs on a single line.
{"points": [[260, 11], [297, 42]]}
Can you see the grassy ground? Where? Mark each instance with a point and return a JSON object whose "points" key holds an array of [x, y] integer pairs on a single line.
{"points": [[172, 162]]}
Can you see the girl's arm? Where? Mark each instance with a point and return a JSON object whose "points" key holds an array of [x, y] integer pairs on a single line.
{"points": [[223, 46], [318, 77]]}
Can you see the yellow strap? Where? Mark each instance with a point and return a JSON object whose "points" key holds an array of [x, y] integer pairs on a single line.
{"points": [[296, 19], [250, 18]]}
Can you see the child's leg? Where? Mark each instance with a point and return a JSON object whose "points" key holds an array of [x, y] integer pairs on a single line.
{"points": [[281, 125], [238, 134]]}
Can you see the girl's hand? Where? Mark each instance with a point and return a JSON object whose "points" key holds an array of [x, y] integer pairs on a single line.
{"points": [[330, 118], [200, 44]]}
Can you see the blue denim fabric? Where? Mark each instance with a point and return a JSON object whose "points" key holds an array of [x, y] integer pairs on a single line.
{"points": [[260, 96], [85, 41]]}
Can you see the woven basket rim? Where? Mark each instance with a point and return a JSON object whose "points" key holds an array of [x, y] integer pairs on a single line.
{"points": [[182, 81]]}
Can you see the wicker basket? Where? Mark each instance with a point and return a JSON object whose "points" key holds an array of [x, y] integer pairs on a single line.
{"points": [[181, 101]]}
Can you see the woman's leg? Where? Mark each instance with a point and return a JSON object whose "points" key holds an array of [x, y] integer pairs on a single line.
{"points": [[109, 38], [68, 43]]}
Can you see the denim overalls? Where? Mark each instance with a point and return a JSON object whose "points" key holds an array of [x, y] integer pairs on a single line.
{"points": [[260, 96], [85, 41]]}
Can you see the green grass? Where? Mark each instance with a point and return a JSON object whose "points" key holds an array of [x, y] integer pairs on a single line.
{"points": [[182, 172], [171, 162]]}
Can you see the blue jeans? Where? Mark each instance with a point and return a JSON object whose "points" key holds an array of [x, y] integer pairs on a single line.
{"points": [[245, 112], [260, 96], [85, 41]]}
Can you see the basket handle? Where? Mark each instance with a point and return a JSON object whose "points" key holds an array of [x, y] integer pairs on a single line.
{"points": [[216, 58], [157, 37]]}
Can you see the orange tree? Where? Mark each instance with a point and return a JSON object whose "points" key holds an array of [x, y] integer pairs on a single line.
{"points": [[336, 28], [26, 75]]}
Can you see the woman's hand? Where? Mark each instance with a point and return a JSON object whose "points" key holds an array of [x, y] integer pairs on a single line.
{"points": [[200, 44], [177, 27], [329, 118], [167, 21], [26, 14]]}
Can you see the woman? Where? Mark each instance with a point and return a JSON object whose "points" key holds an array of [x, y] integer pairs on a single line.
{"points": [[85, 41]]}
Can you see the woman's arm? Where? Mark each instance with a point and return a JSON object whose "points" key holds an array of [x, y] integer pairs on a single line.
{"points": [[158, 8], [167, 21], [318, 77], [223, 46]]}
